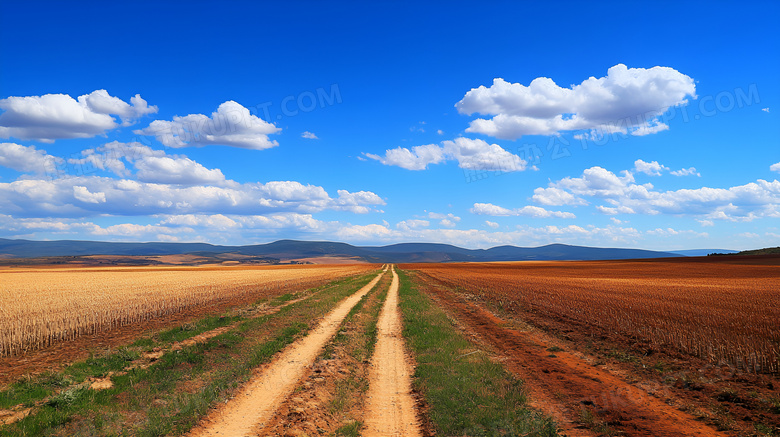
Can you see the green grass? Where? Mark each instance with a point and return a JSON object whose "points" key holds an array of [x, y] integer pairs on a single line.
{"points": [[466, 394], [351, 429], [359, 346], [169, 397]]}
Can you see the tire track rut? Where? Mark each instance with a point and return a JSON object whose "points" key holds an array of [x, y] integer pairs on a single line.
{"points": [[389, 405], [256, 402]]}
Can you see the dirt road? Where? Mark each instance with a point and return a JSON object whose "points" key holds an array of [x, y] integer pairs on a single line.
{"points": [[257, 401], [564, 385], [389, 404]]}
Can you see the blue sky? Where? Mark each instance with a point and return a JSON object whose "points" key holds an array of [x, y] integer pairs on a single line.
{"points": [[616, 124]]}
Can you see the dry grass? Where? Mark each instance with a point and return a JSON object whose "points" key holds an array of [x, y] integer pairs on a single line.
{"points": [[39, 307], [715, 311]]}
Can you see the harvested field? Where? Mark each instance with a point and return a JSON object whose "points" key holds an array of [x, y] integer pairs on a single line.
{"points": [[715, 311], [41, 307], [628, 347]]}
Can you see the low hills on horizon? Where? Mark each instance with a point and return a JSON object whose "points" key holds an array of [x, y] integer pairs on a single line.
{"points": [[305, 251]]}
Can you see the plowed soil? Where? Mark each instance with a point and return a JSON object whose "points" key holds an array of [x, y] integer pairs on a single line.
{"points": [[566, 386]]}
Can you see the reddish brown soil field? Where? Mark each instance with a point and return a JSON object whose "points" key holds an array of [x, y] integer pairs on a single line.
{"points": [[592, 339]]}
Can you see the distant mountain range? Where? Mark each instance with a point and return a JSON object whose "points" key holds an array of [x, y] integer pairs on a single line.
{"points": [[702, 252], [292, 249]]}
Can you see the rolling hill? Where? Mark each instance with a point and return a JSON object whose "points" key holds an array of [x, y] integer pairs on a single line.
{"points": [[293, 249]]}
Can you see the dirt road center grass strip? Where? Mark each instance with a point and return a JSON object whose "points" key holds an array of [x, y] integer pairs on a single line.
{"points": [[467, 394]]}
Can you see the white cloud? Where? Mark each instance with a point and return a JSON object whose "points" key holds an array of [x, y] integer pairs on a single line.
{"points": [[27, 159], [112, 157], [775, 167], [479, 155], [471, 154], [608, 210], [670, 232], [371, 232], [439, 216], [176, 170], [623, 196], [440, 132], [231, 125], [264, 223], [492, 225], [412, 224], [418, 158], [153, 166], [625, 100], [765, 109], [656, 169], [309, 136], [649, 128], [556, 197], [527, 211], [358, 202], [447, 223], [54, 116], [649, 168], [100, 195], [163, 184], [686, 172], [84, 195]]}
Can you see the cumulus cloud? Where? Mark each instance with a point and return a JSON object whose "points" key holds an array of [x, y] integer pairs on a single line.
{"points": [[112, 157], [176, 170], [270, 222], [527, 211], [412, 224], [372, 232], [359, 202], [94, 196], [691, 171], [649, 168], [230, 125], [55, 116], [309, 136], [492, 225], [471, 154], [84, 195], [151, 165], [418, 158], [448, 220], [622, 195], [627, 100], [656, 169], [27, 159], [775, 167], [556, 197]]}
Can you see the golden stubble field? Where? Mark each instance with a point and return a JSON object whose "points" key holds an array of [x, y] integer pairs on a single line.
{"points": [[42, 306]]}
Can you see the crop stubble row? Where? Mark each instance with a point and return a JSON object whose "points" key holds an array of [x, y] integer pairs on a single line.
{"points": [[39, 307], [719, 312]]}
